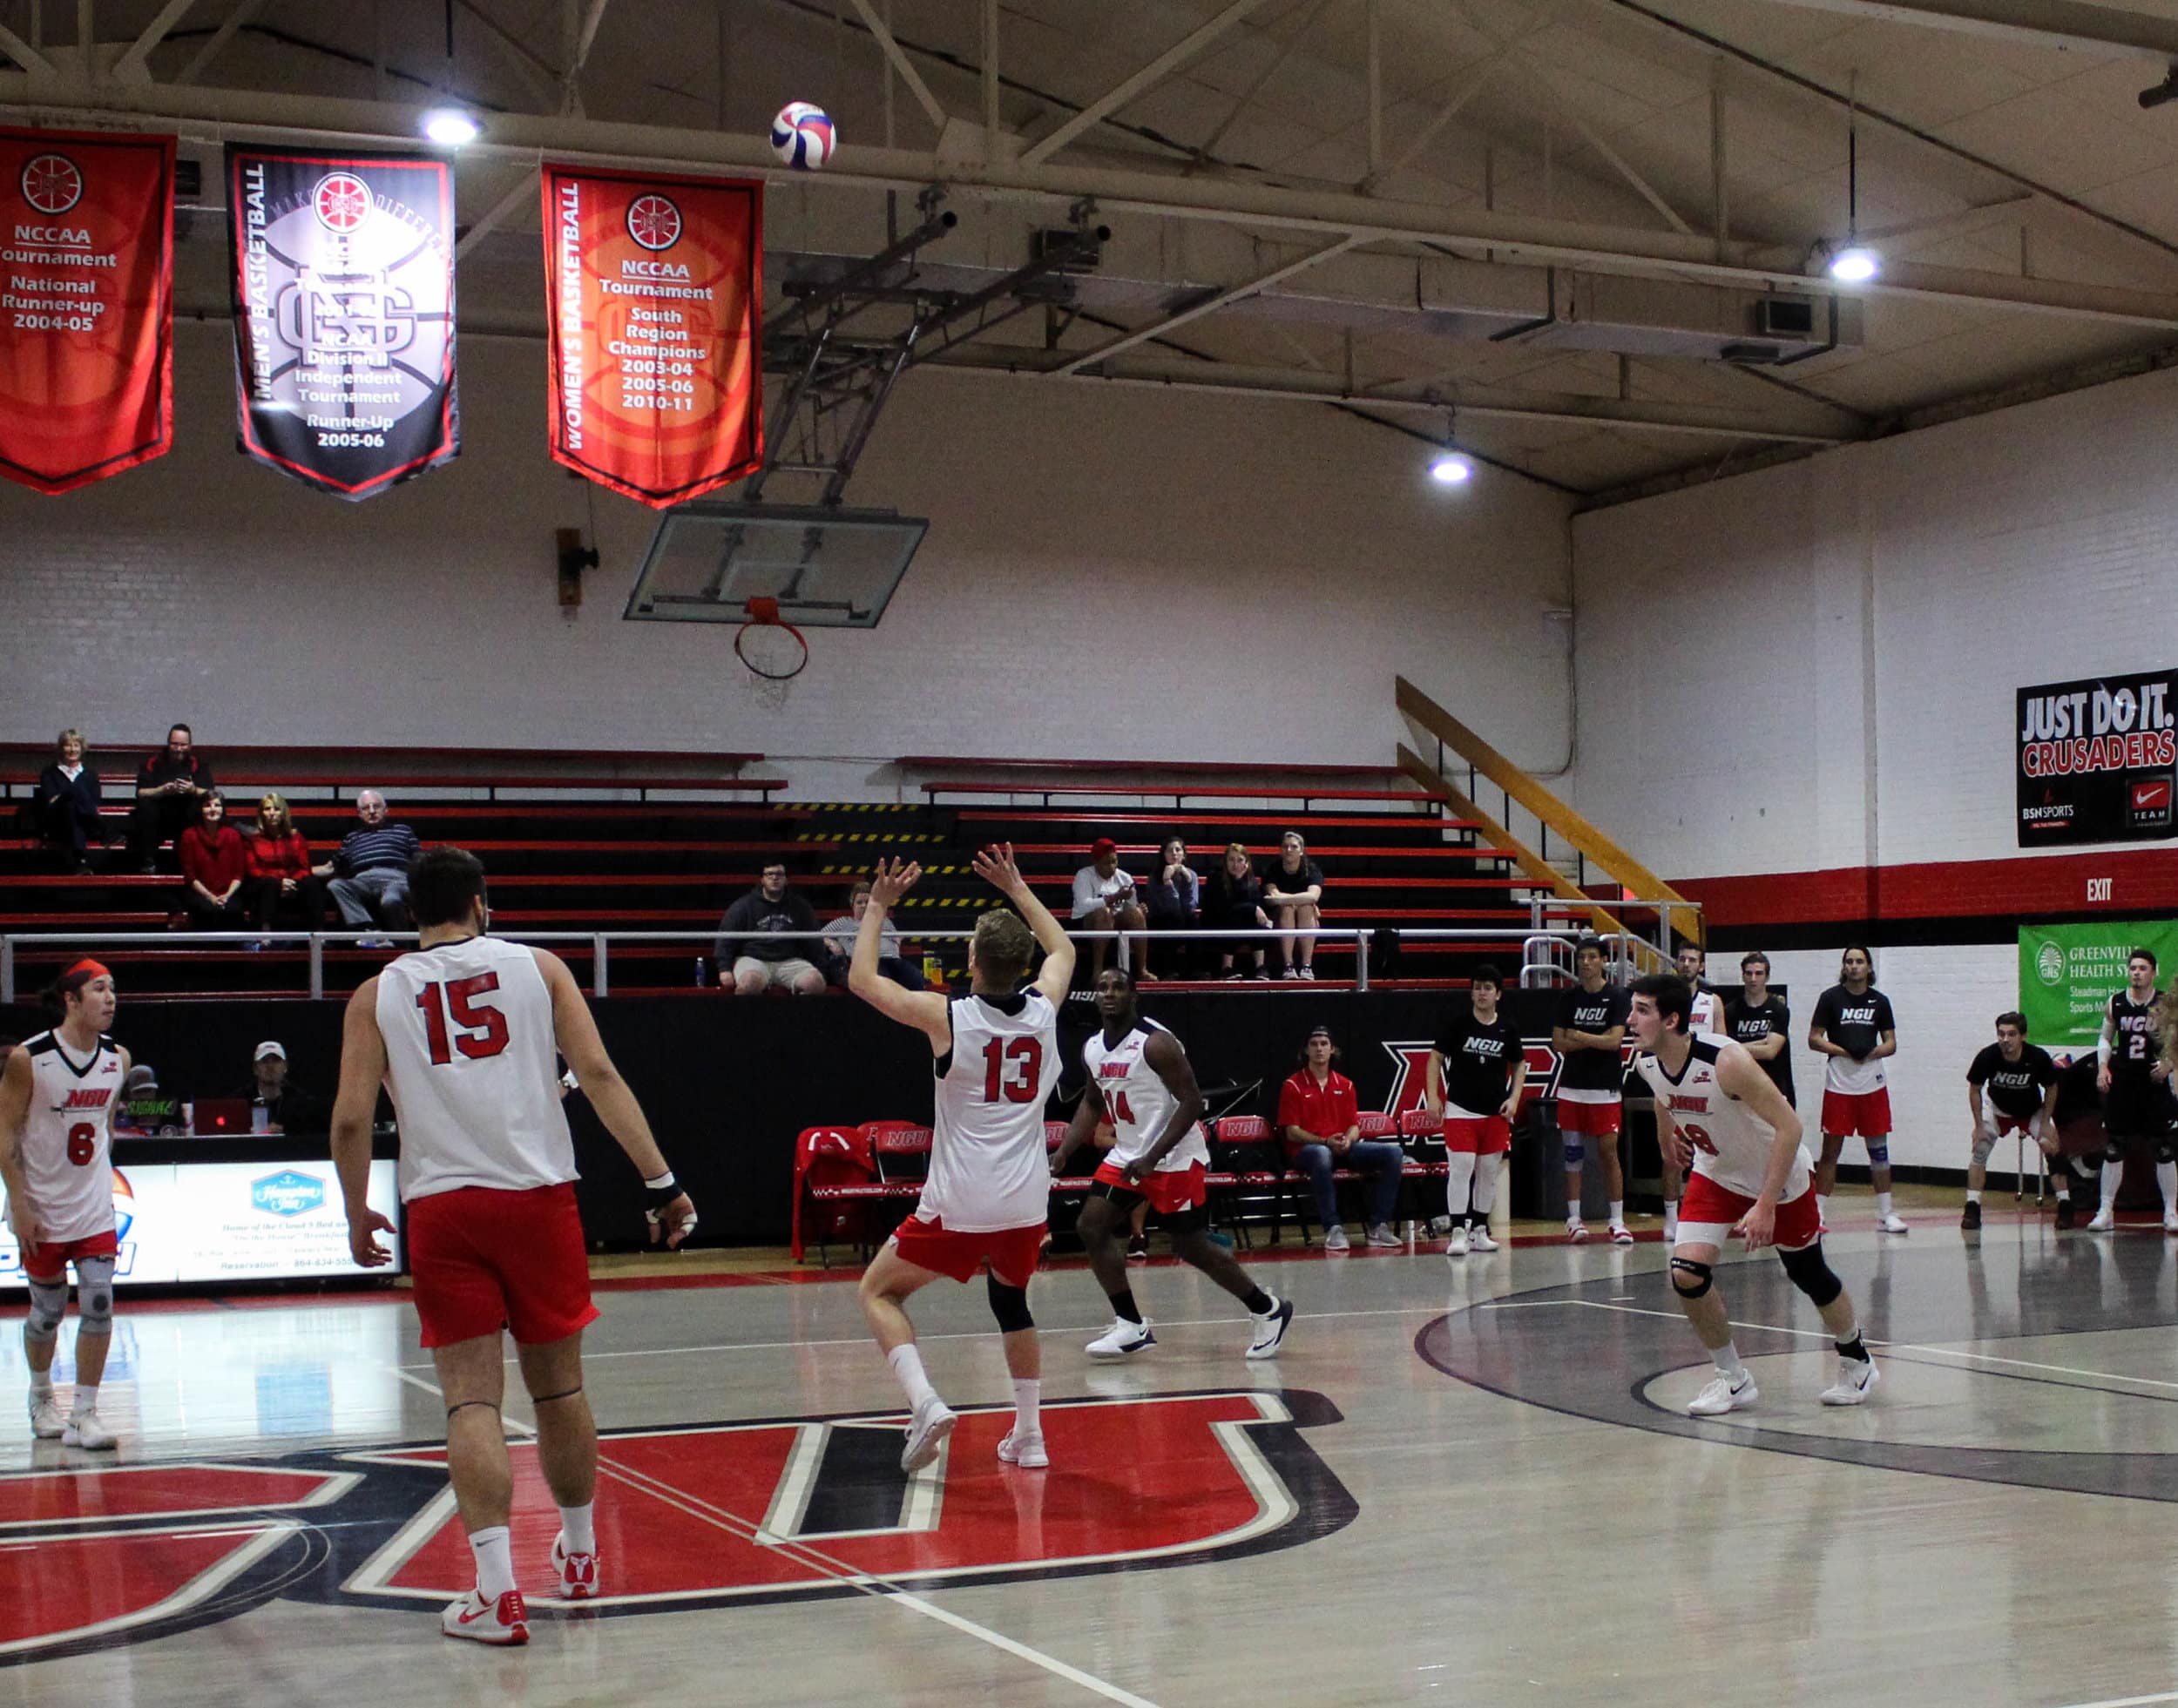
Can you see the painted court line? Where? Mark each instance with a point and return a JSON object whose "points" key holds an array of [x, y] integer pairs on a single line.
{"points": [[2128, 1701]]}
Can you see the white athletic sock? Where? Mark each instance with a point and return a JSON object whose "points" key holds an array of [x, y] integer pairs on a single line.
{"points": [[1459, 1182], [2064, 1189], [1617, 1211], [1671, 1222], [1883, 1203], [578, 1524], [1822, 1209], [1028, 1397], [1486, 1184], [1726, 1360], [86, 1399], [1572, 1218], [906, 1364], [1973, 1196], [2166, 1183], [41, 1384], [494, 1549], [2113, 1177]]}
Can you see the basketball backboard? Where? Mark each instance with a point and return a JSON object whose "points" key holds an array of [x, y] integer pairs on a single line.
{"points": [[826, 568]]}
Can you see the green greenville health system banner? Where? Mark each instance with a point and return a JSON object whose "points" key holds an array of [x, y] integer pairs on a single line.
{"points": [[2068, 972]]}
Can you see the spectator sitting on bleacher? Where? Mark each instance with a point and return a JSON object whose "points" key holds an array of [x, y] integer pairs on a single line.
{"points": [[68, 802], [1233, 899], [370, 869], [279, 874], [166, 791], [1172, 898], [1104, 901], [1320, 1120], [750, 966], [1293, 889], [214, 864], [839, 946]]}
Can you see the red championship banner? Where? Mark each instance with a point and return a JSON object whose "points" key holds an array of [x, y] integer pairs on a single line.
{"points": [[655, 285], [87, 305]]}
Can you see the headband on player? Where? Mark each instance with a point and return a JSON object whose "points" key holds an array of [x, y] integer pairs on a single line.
{"points": [[89, 968]]}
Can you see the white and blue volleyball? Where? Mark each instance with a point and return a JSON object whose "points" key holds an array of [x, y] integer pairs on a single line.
{"points": [[802, 135]]}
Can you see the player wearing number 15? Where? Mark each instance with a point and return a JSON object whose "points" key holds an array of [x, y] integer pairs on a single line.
{"points": [[57, 1096], [984, 1202], [462, 1033], [1718, 1114]]}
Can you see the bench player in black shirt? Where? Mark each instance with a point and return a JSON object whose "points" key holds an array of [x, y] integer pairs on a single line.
{"points": [[1853, 1026], [2135, 1085], [1590, 1030], [2021, 1083], [1759, 1022], [1477, 1073]]}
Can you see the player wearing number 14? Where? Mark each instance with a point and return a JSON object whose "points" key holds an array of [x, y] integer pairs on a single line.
{"points": [[988, 1191]]}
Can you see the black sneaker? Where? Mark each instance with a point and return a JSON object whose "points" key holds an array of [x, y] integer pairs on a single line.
{"points": [[2064, 1214], [1972, 1219], [1138, 1249]]}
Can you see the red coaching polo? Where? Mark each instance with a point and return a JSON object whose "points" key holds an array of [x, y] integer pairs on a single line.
{"points": [[1328, 1110]]}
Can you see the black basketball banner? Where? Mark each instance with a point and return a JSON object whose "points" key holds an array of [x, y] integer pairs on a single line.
{"points": [[2097, 758], [344, 279]]}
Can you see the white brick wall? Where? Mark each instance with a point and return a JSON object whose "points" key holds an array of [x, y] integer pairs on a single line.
{"points": [[1108, 573], [1814, 666]]}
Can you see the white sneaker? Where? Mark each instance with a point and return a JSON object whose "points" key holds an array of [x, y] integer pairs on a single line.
{"points": [[1479, 1240], [1291, 972], [1856, 1379], [1457, 1248], [1270, 1330], [83, 1430], [578, 1573], [932, 1423], [1578, 1233], [1334, 1239], [2170, 1221], [1382, 1237], [1122, 1339], [1621, 1234], [1439, 1226], [1308, 974], [1722, 1396], [1892, 1222], [2103, 1221], [46, 1423], [504, 1622], [1026, 1451]]}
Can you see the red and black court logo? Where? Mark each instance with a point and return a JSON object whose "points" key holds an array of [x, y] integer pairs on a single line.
{"points": [[692, 1515], [653, 221], [51, 183], [342, 202]]}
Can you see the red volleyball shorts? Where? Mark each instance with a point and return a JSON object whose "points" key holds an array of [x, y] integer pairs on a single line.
{"points": [[1864, 1113], [1169, 1191], [483, 1258], [43, 1262], [1598, 1120], [1011, 1251], [1483, 1135]]}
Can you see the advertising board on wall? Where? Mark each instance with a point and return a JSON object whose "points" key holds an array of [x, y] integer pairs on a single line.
{"points": [[2097, 758]]}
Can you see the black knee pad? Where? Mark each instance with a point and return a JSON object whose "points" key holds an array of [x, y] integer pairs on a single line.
{"points": [[1010, 1305], [1690, 1280], [2113, 1151], [1181, 1223], [1807, 1270], [2167, 1149]]}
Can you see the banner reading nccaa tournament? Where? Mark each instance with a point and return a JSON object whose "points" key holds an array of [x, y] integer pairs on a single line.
{"points": [[343, 315], [2068, 972], [2098, 759], [86, 313], [655, 284]]}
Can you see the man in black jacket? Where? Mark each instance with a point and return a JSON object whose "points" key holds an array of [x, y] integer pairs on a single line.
{"points": [[787, 952], [167, 789]]}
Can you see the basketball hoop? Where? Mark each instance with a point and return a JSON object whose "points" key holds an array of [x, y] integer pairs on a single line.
{"points": [[772, 649]]}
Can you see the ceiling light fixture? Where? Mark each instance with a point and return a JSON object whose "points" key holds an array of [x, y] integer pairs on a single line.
{"points": [[450, 127], [1855, 263]]}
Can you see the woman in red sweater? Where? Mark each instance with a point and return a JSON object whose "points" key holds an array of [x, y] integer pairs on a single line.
{"points": [[213, 865], [279, 877]]}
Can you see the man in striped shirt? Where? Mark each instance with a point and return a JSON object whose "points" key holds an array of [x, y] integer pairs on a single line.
{"points": [[369, 870]]}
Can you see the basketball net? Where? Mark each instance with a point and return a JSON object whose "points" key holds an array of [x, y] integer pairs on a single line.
{"points": [[772, 652]]}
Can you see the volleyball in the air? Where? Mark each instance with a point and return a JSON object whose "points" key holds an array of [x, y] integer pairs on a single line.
{"points": [[801, 135]]}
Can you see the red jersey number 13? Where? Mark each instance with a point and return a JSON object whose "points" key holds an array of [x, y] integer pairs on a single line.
{"points": [[1026, 1054]]}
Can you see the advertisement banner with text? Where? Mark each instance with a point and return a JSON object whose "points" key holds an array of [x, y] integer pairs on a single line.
{"points": [[86, 315], [655, 284], [343, 279], [2098, 759], [2068, 972]]}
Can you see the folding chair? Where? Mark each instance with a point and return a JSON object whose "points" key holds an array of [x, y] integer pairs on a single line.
{"points": [[831, 1157]]}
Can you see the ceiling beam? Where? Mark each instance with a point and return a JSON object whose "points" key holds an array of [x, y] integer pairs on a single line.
{"points": [[1152, 74], [25, 55], [212, 114], [523, 191], [1208, 306], [135, 62], [542, 76], [932, 108], [225, 33], [1908, 235], [2047, 24]]}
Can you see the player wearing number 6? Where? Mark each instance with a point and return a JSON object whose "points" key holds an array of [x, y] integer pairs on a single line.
{"points": [[985, 1199], [462, 1033], [1717, 1112], [57, 1098]]}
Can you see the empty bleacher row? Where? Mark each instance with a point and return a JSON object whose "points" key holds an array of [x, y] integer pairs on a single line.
{"points": [[592, 843]]}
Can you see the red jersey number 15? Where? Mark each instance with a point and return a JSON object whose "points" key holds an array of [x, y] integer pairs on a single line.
{"points": [[483, 1028]]}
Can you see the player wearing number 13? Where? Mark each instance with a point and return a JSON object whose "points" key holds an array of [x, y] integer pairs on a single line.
{"points": [[1718, 1114], [462, 1033], [984, 1202]]}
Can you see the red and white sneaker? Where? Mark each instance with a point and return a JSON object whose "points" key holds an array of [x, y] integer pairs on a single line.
{"points": [[504, 1622], [1622, 1234], [1577, 1232], [578, 1573]]}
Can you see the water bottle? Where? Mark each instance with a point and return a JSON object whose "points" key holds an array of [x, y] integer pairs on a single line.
{"points": [[700, 978]]}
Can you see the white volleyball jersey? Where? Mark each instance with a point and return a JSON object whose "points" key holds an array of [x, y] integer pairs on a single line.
{"points": [[1731, 1143], [1137, 1100], [988, 1167], [473, 1069], [1707, 1016], [67, 1146]]}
